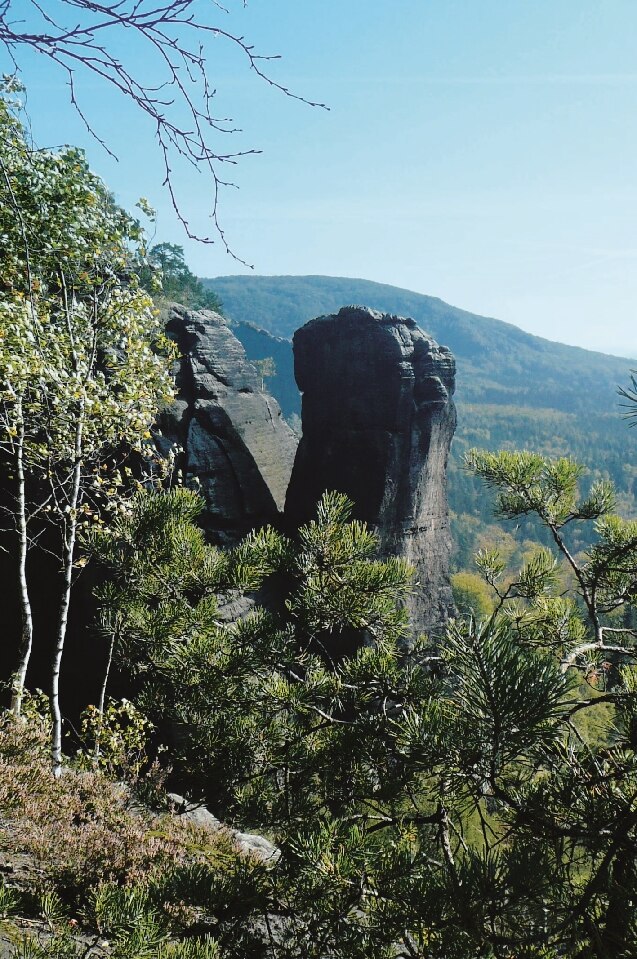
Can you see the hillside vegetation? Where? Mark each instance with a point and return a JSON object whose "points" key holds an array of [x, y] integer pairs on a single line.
{"points": [[466, 794], [497, 362]]}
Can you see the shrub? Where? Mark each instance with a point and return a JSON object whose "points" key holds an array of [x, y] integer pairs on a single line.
{"points": [[84, 829]]}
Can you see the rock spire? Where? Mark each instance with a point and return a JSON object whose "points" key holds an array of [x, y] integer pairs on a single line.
{"points": [[235, 440], [378, 419]]}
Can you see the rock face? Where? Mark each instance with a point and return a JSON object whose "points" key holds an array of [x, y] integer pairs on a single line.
{"points": [[235, 440], [378, 419]]}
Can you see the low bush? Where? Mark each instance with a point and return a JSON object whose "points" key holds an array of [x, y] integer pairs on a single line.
{"points": [[104, 875]]}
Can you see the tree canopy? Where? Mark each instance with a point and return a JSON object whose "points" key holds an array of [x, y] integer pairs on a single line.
{"points": [[473, 797], [84, 363], [165, 274]]}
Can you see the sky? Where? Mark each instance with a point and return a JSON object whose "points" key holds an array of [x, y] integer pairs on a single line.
{"points": [[481, 151]]}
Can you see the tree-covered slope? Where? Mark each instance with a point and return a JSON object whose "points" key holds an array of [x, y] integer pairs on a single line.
{"points": [[497, 362], [259, 345]]}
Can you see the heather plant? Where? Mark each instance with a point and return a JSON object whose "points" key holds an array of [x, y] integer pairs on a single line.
{"points": [[104, 867], [26, 741], [78, 832], [85, 829]]}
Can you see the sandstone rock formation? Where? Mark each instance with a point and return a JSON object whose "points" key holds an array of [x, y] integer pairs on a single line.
{"points": [[378, 419], [235, 440]]}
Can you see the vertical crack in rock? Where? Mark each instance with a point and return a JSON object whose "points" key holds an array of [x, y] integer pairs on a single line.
{"points": [[235, 440], [378, 420]]}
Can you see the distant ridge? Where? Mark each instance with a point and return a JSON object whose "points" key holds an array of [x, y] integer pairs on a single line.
{"points": [[497, 362]]}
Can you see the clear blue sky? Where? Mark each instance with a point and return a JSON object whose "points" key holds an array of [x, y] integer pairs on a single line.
{"points": [[483, 151]]}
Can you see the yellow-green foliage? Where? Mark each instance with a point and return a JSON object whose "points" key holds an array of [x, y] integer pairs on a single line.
{"points": [[472, 595]]}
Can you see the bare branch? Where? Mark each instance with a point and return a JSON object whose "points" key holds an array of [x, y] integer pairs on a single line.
{"points": [[178, 100]]}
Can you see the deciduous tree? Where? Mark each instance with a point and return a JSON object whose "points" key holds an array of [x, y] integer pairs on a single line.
{"points": [[83, 363]]}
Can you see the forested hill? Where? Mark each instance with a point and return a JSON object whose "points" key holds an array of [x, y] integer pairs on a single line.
{"points": [[497, 362]]}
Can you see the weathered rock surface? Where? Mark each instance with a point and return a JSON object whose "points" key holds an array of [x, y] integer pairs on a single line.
{"points": [[248, 842], [378, 419], [235, 440]]}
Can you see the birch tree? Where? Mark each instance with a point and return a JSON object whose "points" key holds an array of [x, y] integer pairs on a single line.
{"points": [[83, 361]]}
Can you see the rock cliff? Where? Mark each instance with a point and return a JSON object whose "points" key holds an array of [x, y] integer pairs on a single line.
{"points": [[378, 419], [235, 440]]}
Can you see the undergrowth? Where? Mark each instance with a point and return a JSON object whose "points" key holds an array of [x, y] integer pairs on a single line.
{"points": [[101, 874]]}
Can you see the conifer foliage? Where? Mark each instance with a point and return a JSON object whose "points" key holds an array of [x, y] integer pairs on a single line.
{"points": [[470, 798]]}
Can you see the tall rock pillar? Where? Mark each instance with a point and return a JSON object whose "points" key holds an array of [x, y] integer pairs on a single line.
{"points": [[234, 439], [378, 419]]}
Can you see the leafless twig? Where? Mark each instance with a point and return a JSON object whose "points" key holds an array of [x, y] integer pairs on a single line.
{"points": [[174, 36]]}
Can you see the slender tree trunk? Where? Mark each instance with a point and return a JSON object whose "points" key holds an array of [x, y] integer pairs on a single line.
{"points": [[68, 556], [26, 636], [102, 700], [67, 572]]}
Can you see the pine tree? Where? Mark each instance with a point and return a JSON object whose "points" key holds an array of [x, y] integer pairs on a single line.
{"points": [[473, 798]]}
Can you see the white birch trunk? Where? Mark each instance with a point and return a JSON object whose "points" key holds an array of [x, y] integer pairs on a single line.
{"points": [[102, 701], [26, 634], [68, 556]]}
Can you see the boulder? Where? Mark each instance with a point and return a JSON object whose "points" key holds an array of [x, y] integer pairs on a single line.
{"points": [[235, 440], [249, 843], [378, 419]]}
